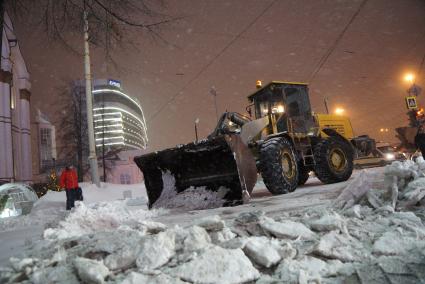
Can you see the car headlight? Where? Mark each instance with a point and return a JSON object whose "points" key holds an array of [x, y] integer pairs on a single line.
{"points": [[389, 156]]}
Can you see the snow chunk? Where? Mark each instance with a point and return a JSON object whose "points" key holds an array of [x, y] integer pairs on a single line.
{"points": [[235, 243], [61, 274], [154, 227], [91, 271], [156, 250], [414, 192], [354, 191], [20, 264], [138, 278], [338, 246], [218, 265], [306, 270], [222, 236], [211, 223], [394, 243], [197, 238], [250, 217], [328, 222], [123, 259], [287, 229], [262, 251]]}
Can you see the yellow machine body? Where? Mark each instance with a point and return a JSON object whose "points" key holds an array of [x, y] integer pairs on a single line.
{"points": [[339, 123]]}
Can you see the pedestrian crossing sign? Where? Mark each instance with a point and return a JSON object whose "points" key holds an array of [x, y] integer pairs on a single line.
{"points": [[411, 103]]}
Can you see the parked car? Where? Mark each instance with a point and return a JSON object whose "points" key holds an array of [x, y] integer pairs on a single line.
{"points": [[384, 154]]}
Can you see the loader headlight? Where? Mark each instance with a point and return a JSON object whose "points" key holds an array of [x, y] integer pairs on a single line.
{"points": [[389, 156], [278, 109]]}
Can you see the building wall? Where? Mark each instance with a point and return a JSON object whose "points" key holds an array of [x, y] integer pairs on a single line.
{"points": [[15, 134], [125, 166], [43, 154]]}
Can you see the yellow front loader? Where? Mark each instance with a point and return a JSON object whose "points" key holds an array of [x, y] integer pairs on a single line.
{"points": [[280, 138]]}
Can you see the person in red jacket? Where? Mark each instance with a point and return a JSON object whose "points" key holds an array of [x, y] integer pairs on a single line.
{"points": [[69, 181]]}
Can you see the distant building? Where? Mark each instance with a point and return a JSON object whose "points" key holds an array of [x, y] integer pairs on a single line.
{"points": [[15, 92], [120, 130], [118, 117], [123, 170], [119, 121], [44, 146]]}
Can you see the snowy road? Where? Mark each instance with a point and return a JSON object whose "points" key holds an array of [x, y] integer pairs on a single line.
{"points": [[312, 194]]}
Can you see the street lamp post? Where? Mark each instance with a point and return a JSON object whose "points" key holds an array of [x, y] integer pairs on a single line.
{"points": [[196, 129], [213, 92], [325, 101], [92, 146]]}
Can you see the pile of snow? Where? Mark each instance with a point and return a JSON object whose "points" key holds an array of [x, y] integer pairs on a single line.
{"points": [[404, 187], [193, 198], [355, 240], [314, 245], [102, 216], [50, 208]]}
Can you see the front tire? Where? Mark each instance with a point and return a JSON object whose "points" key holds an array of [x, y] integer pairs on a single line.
{"points": [[278, 166], [334, 161]]}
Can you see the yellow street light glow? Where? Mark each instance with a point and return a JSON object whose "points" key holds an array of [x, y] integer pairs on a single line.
{"points": [[382, 129], [409, 77], [339, 111], [259, 84]]}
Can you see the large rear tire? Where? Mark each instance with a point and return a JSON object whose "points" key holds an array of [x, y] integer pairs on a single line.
{"points": [[334, 160], [278, 166]]}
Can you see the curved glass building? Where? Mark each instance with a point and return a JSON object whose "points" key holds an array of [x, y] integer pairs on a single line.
{"points": [[118, 118]]}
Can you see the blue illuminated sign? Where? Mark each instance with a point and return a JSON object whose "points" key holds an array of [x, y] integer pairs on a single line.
{"points": [[114, 83]]}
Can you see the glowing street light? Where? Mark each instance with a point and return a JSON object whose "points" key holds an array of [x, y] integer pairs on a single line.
{"points": [[409, 77], [339, 111]]}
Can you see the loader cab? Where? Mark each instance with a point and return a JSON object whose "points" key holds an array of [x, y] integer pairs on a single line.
{"points": [[286, 104]]}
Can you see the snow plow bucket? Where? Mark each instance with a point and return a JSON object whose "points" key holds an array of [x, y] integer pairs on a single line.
{"points": [[222, 161]]}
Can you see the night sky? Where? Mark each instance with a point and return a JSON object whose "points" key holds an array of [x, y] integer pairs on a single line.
{"points": [[353, 52]]}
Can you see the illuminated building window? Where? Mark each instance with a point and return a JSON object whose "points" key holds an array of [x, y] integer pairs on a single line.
{"points": [[45, 146]]}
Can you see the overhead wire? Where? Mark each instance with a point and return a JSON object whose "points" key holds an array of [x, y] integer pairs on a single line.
{"points": [[326, 56], [205, 67]]}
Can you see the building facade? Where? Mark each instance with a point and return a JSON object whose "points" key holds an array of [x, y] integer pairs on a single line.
{"points": [[118, 118], [123, 170], [120, 130], [44, 154], [15, 92]]}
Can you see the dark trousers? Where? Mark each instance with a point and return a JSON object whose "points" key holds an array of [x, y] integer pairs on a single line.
{"points": [[420, 142], [71, 195]]}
